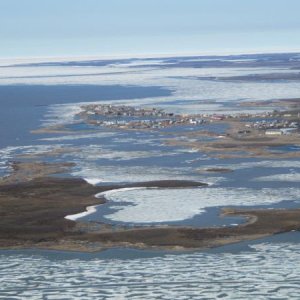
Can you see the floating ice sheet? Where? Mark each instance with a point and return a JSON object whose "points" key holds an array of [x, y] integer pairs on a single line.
{"points": [[288, 177], [94, 152], [190, 84], [144, 205], [276, 163], [11, 153], [118, 173], [265, 271], [78, 136]]}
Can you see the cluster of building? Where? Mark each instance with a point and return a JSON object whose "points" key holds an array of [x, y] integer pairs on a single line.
{"points": [[275, 127], [147, 124], [109, 110], [128, 117], [281, 131]]}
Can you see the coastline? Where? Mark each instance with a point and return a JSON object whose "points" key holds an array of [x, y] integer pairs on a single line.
{"points": [[52, 199], [41, 211]]}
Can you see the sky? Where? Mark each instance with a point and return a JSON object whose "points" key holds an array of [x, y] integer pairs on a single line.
{"points": [[30, 28]]}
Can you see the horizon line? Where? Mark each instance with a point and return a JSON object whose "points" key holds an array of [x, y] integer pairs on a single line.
{"points": [[153, 55]]}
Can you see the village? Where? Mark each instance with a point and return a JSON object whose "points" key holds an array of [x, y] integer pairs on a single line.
{"points": [[130, 117], [275, 127]]}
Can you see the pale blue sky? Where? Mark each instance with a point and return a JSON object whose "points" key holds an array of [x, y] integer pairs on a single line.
{"points": [[111, 27]]}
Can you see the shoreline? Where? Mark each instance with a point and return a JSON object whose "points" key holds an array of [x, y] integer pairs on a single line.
{"points": [[52, 199], [41, 211], [120, 56]]}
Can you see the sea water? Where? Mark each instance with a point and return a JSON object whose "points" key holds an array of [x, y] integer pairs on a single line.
{"points": [[37, 95]]}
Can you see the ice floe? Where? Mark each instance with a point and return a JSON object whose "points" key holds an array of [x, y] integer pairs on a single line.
{"points": [[144, 205], [11, 153], [278, 163], [78, 136], [119, 173], [288, 177], [190, 84], [61, 114], [264, 271], [95, 152]]}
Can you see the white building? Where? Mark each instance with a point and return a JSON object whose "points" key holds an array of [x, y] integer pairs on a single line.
{"points": [[273, 132]]}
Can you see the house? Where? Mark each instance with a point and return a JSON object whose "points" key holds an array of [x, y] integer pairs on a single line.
{"points": [[273, 132], [218, 117], [286, 131]]}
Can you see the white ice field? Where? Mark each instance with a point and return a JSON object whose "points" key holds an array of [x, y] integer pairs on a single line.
{"points": [[153, 205], [185, 84], [268, 271]]}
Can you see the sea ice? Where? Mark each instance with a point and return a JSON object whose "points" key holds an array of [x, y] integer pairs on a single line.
{"points": [[147, 205], [288, 177], [119, 173], [264, 271]]}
